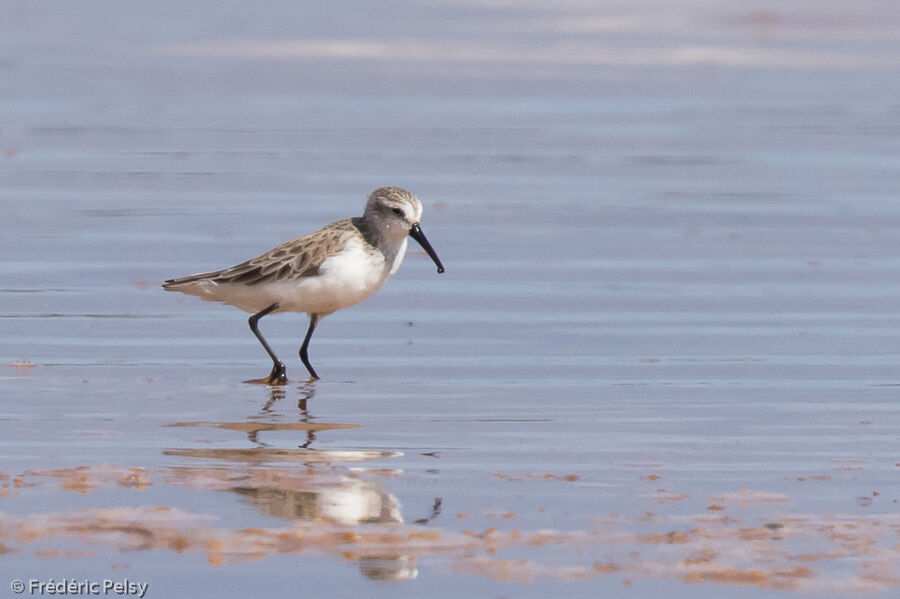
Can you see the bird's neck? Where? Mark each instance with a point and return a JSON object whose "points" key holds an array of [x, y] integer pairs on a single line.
{"points": [[390, 241]]}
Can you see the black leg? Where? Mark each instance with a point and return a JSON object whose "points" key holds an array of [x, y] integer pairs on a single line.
{"points": [[278, 376], [304, 356]]}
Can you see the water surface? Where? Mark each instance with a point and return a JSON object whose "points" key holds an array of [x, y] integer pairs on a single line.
{"points": [[662, 358]]}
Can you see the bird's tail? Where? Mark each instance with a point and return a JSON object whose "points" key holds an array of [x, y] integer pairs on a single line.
{"points": [[177, 284]]}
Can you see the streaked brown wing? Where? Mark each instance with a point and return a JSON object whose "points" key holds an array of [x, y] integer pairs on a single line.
{"points": [[290, 261]]}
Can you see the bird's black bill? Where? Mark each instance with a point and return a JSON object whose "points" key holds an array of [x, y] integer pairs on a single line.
{"points": [[416, 233]]}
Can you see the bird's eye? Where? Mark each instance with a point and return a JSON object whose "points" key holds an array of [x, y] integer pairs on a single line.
{"points": [[398, 212]]}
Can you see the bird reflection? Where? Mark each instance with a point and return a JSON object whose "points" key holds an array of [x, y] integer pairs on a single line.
{"points": [[390, 568], [435, 512], [346, 502], [305, 391], [325, 493], [276, 394]]}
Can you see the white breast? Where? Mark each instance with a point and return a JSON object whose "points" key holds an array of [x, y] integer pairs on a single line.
{"points": [[398, 257], [344, 279]]}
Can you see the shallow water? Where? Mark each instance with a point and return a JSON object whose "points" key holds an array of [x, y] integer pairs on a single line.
{"points": [[662, 358]]}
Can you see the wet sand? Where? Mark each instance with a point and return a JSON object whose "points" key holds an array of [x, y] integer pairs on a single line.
{"points": [[662, 359]]}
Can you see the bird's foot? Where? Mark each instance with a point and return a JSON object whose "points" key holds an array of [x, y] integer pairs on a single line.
{"points": [[313, 375], [277, 377]]}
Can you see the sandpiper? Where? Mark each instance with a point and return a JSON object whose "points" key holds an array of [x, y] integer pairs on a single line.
{"points": [[338, 266]]}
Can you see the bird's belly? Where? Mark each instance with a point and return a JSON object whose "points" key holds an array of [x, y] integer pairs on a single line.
{"points": [[343, 280]]}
